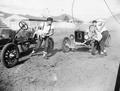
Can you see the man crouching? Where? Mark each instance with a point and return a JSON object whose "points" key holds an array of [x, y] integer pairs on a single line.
{"points": [[100, 35], [96, 37]]}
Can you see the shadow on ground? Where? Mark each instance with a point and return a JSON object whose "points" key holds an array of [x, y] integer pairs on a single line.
{"points": [[23, 61], [54, 52], [26, 53], [83, 49]]}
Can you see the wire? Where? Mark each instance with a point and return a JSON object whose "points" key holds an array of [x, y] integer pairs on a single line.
{"points": [[111, 12], [73, 2]]}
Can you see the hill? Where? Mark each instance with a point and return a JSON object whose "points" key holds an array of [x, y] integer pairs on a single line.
{"points": [[5, 15]]}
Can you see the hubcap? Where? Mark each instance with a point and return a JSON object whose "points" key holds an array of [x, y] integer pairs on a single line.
{"points": [[11, 55]]}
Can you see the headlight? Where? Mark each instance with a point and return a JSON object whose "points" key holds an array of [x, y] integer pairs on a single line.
{"points": [[86, 37], [72, 36]]}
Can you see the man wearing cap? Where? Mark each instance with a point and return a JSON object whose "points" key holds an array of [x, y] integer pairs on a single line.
{"points": [[95, 36], [44, 34]]}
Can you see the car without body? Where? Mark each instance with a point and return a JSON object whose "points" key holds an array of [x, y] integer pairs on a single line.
{"points": [[11, 40]]}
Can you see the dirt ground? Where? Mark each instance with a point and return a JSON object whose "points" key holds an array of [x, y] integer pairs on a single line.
{"points": [[73, 71]]}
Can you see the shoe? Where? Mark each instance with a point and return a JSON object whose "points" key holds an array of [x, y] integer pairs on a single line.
{"points": [[73, 49], [90, 50], [94, 52], [45, 55], [105, 53], [33, 53], [102, 54]]}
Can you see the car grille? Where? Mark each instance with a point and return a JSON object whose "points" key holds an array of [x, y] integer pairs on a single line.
{"points": [[79, 36]]}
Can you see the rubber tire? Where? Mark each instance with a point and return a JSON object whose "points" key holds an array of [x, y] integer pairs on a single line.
{"points": [[3, 54], [65, 48], [50, 44]]}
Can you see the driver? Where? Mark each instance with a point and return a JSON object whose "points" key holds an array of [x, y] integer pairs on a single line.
{"points": [[44, 34]]}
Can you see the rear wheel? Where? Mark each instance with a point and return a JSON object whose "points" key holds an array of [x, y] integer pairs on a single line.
{"points": [[65, 44], [50, 44], [9, 55]]}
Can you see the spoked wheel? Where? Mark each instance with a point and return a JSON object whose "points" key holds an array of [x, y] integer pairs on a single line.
{"points": [[50, 44], [25, 46], [65, 45], [9, 55]]}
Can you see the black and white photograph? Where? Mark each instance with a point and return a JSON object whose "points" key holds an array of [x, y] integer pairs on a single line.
{"points": [[59, 45]]}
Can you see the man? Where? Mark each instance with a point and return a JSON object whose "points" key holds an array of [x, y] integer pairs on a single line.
{"points": [[95, 36], [105, 35], [44, 34]]}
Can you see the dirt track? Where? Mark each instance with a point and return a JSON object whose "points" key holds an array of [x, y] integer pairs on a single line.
{"points": [[73, 71]]}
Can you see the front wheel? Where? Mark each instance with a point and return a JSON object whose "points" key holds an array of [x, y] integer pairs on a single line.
{"points": [[10, 55]]}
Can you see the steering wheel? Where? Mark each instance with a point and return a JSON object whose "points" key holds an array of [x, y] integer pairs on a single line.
{"points": [[23, 25]]}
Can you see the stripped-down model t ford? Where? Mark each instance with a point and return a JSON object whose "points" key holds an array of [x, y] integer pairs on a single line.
{"points": [[81, 38], [77, 40], [12, 43]]}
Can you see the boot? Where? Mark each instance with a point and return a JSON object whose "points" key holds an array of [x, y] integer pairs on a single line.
{"points": [[105, 52], [45, 55], [33, 53]]}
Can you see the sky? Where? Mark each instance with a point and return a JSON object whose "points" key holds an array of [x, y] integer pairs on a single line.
{"points": [[82, 9]]}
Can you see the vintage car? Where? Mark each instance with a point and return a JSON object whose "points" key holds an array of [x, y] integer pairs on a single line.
{"points": [[77, 40], [81, 38], [12, 43]]}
